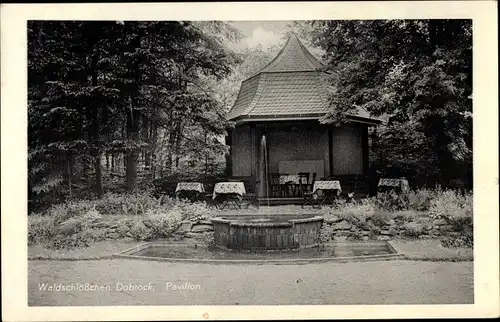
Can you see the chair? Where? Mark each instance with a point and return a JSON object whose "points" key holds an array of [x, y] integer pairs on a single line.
{"points": [[275, 185], [303, 179], [251, 197], [310, 184], [309, 197]]}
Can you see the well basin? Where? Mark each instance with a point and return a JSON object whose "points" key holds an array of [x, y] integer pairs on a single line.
{"points": [[271, 232]]}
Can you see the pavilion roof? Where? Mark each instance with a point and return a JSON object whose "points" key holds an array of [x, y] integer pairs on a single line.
{"points": [[291, 86]]}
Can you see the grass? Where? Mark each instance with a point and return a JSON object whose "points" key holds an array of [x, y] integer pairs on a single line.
{"points": [[432, 250], [98, 250]]}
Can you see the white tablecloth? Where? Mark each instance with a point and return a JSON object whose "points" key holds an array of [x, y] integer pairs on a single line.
{"points": [[229, 187], [190, 186], [327, 185], [395, 183]]}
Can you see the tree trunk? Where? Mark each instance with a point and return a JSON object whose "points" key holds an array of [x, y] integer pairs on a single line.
{"points": [[124, 159], [133, 125], [70, 174], [107, 161], [113, 162], [146, 128], [206, 154], [131, 170], [98, 175], [95, 135], [133, 155], [154, 138]]}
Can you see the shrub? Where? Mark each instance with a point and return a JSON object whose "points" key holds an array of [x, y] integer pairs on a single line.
{"points": [[140, 232], [365, 207], [405, 216], [449, 203], [63, 212], [392, 200], [127, 203], [413, 231], [381, 218], [81, 239], [82, 234], [354, 235], [420, 199], [464, 240], [90, 216], [195, 211], [161, 225], [207, 238], [326, 233], [356, 219], [457, 209], [41, 229]]}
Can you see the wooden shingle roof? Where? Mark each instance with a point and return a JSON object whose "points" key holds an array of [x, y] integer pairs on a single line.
{"points": [[291, 86]]}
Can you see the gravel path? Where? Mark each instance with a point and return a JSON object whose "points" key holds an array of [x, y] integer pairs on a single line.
{"points": [[390, 282]]}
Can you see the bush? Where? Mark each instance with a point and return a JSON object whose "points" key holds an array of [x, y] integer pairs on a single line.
{"points": [[405, 216], [461, 223], [207, 238], [412, 230], [381, 218], [140, 232], [194, 211], [419, 199], [63, 212], [83, 238], [41, 229], [464, 240], [354, 236], [112, 204], [392, 201], [449, 203], [365, 207], [326, 233], [161, 225], [127, 203], [354, 218], [82, 234]]}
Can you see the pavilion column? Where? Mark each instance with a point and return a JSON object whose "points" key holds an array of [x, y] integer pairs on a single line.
{"points": [[253, 150], [330, 151], [365, 149], [229, 158]]}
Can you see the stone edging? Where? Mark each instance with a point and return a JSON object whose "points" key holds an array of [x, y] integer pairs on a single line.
{"points": [[126, 255]]}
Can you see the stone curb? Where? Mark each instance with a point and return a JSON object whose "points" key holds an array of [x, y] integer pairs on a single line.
{"points": [[298, 261], [267, 262]]}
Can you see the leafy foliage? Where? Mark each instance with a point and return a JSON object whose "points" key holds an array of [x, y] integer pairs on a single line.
{"points": [[416, 74], [129, 90]]}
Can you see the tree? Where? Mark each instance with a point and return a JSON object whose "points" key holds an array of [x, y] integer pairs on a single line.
{"points": [[66, 102], [113, 88], [416, 72]]}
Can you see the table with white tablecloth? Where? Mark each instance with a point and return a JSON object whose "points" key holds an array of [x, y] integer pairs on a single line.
{"points": [[327, 185], [229, 192], [394, 183], [329, 190], [190, 186], [190, 190]]}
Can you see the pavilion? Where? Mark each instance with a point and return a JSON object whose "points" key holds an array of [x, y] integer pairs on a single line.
{"points": [[284, 102]]}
